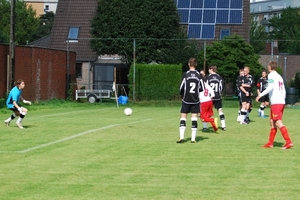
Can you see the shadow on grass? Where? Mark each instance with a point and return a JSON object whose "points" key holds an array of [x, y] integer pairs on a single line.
{"points": [[209, 130], [198, 138], [278, 144]]}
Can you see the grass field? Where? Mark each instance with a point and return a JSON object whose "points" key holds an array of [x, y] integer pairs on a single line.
{"points": [[96, 152]]}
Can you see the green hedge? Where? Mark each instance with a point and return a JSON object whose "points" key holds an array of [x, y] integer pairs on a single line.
{"points": [[155, 81]]}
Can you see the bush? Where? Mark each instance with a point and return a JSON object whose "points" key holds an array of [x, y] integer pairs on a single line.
{"points": [[155, 81]]}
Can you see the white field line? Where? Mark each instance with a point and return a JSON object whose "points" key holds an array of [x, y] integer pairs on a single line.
{"points": [[65, 113], [71, 137]]}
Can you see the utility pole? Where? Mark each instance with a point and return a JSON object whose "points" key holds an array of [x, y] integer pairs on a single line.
{"points": [[11, 60]]}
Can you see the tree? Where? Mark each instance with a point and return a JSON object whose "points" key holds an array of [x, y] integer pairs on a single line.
{"points": [[285, 28], [153, 23], [26, 22], [45, 25], [258, 36], [231, 54]]}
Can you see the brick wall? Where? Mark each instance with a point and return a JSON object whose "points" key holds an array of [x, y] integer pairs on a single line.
{"points": [[43, 70]]}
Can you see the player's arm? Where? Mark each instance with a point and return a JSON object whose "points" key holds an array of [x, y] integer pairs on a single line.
{"points": [[267, 90], [258, 87], [25, 101]]}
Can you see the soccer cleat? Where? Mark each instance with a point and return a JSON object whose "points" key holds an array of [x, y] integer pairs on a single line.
{"points": [[268, 145], [243, 122], [19, 125], [193, 141], [180, 141], [204, 129], [223, 128], [287, 146], [263, 116], [6, 122]]}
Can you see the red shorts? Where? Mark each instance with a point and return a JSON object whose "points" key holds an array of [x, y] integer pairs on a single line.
{"points": [[206, 110], [276, 112]]}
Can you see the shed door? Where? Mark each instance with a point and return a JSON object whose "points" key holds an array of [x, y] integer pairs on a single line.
{"points": [[103, 77]]}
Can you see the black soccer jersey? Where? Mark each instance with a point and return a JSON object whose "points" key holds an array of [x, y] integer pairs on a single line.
{"points": [[190, 87], [262, 84], [248, 80], [238, 83], [216, 82]]}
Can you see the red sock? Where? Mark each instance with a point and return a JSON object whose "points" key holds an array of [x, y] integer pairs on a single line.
{"points": [[285, 134], [272, 135]]}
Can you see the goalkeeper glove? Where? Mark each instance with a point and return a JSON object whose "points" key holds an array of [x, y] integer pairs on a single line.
{"points": [[28, 102]]}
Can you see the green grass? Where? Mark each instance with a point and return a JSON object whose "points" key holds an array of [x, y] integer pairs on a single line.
{"points": [[85, 151]]}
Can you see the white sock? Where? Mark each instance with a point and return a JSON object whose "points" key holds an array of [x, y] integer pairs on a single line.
{"points": [[181, 132], [193, 137], [204, 125]]}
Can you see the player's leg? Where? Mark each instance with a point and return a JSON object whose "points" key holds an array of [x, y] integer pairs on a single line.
{"points": [[13, 116], [244, 109], [23, 112], [194, 110], [185, 109], [277, 116], [218, 106], [202, 116], [272, 133]]}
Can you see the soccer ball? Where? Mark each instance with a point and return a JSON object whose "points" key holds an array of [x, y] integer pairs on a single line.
{"points": [[127, 111]]}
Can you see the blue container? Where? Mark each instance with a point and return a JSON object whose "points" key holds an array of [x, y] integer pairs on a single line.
{"points": [[123, 100]]}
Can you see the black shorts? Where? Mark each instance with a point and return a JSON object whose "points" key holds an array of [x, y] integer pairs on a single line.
{"points": [[14, 109], [217, 104], [245, 98], [190, 108], [264, 98]]}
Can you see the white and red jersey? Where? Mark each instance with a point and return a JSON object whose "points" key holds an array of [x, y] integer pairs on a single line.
{"points": [[206, 94], [275, 89]]}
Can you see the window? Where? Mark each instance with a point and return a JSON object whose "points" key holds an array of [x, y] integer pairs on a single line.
{"points": [[224, 33], [46, 7], [78, 70], [73, 33]]}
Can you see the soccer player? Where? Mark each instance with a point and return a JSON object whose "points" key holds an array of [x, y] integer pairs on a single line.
{"points": [[216, 82], [190, 87], [238, 82], [12, 103], [277, 93], [246, 86], [261, 85], [206, 107]]}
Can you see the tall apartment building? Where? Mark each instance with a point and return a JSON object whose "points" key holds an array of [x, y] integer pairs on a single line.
{"points": [[263, 10], [41, 6]]}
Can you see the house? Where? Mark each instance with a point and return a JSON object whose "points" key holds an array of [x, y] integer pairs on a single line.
{"points": [[71, 32], [42, 6], [207, 21]]}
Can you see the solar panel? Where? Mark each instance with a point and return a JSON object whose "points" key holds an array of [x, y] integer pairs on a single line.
{"points": [[194, 31], [208, 32], [196, 3], [210, 3], [235, 17], [202, 15], [236, 4], [210, 16], [183, 3], [196, 16], [222, 16], [184, 15], [223, 4]]}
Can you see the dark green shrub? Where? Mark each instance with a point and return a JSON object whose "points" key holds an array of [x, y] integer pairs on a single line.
{"points": [[155, 81]]}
